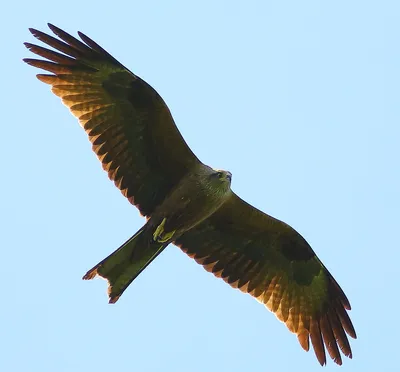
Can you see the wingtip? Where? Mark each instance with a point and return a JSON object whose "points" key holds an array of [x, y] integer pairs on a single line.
{"points": [[322, 360], [80, 33], [352, 334], [338, 361], [33, 31], [29, 61], [52, 28], [46, 78], [56, 30], [86, 38]]}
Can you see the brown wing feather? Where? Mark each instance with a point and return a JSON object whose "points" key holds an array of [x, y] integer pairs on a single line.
{"points": [[268, 259], [131, 128]]}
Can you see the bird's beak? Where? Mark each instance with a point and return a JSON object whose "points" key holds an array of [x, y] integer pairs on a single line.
{"points": [[229, 176]]}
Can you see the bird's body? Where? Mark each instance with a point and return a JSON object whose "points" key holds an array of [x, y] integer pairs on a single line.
{"points": [[186, 202], [198, 195]]}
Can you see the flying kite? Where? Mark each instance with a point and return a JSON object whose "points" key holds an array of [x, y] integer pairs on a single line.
{"points": [[186, 202]]}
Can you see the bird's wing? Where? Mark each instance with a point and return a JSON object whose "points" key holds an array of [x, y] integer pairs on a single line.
{"points": [[268, 259], [128, 123]]}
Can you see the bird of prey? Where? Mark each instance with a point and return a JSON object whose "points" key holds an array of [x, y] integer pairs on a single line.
{"points": [[186, 202]]}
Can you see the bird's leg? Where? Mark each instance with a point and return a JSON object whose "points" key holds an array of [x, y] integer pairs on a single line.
{"points": [[160, 235]]}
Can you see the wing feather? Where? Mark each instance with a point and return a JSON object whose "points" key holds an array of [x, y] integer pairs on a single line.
{"points": [[271, 261], [129, 125]]}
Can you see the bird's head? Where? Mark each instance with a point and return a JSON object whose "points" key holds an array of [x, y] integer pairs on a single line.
{"points": [[221, 179]]}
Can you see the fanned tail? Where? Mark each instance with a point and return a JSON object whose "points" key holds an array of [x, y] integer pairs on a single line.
{"points": [[122, 266]]}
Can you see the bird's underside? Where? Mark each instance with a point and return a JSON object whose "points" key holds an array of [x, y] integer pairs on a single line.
{"points": [[187, 203]]}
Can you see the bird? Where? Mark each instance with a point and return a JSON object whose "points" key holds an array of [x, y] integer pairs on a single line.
{"points": [[185, 202]]}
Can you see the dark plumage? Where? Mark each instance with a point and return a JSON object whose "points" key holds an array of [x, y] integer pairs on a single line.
{"points": [[186, 202]]}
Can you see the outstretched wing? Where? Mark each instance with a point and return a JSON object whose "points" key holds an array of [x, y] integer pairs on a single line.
{"points": [[268, 259], [131, 128]]}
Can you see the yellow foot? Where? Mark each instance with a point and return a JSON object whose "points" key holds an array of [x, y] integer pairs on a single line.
{"points": [[161, 236]]}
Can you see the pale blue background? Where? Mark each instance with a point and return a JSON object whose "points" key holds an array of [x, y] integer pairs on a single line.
{"points": [[299, 99]]}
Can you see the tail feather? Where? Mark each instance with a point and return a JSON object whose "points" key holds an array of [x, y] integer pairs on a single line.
{"points": [[121, 267]]}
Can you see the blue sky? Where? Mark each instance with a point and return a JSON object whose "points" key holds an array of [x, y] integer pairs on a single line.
{"points": [[298, 99]]}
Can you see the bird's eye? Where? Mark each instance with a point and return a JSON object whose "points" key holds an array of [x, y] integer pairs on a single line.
{"points": [[217, 175]]}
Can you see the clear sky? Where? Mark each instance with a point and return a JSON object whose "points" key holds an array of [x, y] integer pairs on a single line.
{"points": [[298, 99]]}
